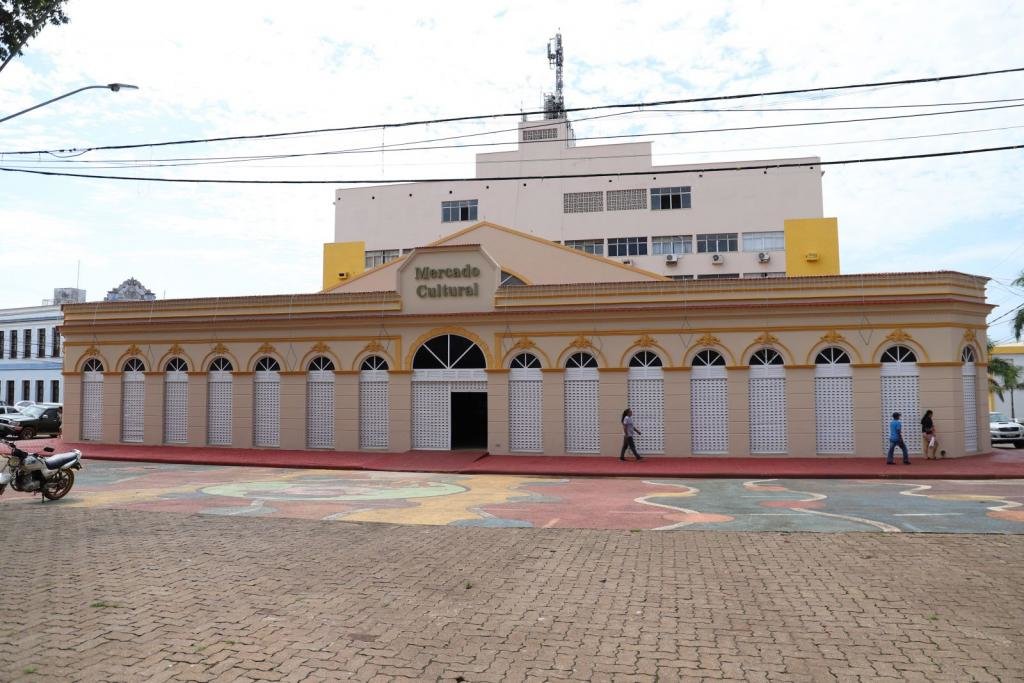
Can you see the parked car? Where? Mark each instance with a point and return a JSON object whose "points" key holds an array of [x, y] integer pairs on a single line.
{"points": [[7, 410], [40, 418], [24, 404], [1005, 430]]}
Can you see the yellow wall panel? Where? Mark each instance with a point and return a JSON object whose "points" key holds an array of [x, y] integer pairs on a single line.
{"points": [[812, 246], [348, 258]]}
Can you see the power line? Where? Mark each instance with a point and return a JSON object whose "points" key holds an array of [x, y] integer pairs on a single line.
{"points": [[719, 169], [401, 146], [453, 119], [204, 161]]}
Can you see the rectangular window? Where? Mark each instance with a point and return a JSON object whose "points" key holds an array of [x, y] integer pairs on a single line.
{"points": [[55, 343], [672, 244], [764, 241], [14, 344], [379, 257], [9, 394], [41, 342], [26, 345], [460, 210], [681, 277], [717, 242], [589, 246], [765, 274], [627, 246], [670, 198], [39, 391], [54, 391], [2, 349], [719, 276], [582, 202], [26, 390], [627, 200]]}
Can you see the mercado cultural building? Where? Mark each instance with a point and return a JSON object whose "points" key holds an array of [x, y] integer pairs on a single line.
{"points": [[494, 339]]}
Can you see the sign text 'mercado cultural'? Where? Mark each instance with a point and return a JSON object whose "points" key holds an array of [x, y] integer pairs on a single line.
{"points": [[445, 290]]}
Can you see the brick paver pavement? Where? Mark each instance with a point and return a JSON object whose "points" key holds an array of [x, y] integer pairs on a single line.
{"points": [[115, 595]]}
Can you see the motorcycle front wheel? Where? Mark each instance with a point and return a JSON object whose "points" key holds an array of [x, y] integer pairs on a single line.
{"points": [[58, 486]]}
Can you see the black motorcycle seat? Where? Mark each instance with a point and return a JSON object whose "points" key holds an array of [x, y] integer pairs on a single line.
{"points": [[55, 462]]}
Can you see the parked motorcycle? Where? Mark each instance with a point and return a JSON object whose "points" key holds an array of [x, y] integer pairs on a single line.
{"points": [[53, 475]]}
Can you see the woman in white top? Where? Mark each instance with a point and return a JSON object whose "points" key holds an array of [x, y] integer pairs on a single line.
{"points": [[628, 430]]}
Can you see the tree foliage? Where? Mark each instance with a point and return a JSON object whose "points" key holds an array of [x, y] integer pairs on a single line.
{"points": [[1018, 319], [22, 20]]}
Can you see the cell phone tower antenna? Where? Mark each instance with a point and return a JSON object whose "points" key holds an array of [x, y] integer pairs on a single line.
{"points": [[554, 103]]}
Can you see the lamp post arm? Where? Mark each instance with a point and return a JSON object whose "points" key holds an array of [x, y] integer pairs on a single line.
{"points": [[113, 86]]}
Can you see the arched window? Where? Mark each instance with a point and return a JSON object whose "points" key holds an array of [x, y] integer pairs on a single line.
{"points": [[176, 365], [93, 365], [92, 400], [708, 358], [176, 401], [645, 359], [449, 352], [899, 354], [321, 364], [320, 403], [133, 399], [969, 380], [220, 402], [373, 363], [967, 355], [525, 361], [581, 360], [268, 364], [832, 355], [221, 364], [766, 357]]}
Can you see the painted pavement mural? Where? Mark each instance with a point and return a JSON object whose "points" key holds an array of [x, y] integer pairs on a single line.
{"points": [[832, 505]]}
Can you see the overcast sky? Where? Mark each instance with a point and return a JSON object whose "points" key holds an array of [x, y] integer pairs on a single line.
{"points": [[227, 68]]}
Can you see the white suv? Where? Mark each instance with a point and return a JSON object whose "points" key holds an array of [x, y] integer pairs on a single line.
{"points": [[1005, 430]]}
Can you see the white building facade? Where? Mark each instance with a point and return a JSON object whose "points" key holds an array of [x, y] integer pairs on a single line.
{"points": [[681, 221], [31, 354]]}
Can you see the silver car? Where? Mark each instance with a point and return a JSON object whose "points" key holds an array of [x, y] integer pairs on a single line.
{"points": [[1005, 430]]}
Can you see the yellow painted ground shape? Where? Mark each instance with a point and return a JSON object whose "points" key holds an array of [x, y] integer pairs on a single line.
{"points": [[481, 490]]}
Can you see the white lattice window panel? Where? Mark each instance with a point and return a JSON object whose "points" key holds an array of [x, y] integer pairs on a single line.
{"points": [[525, 411], [646, 398], [374, 406], [768, 414], [626, 200], [431, 416], [582, 202], [582, 403], [535, 134], [176, 407], [709, 414], [900, 395], [266, 421], [833, 412], [133, 396], [92, 405], [320, 411], [970, 382], [219, 407]]}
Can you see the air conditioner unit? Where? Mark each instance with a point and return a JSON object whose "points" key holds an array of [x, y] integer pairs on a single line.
{"points": [[717, 259], [763, 257], [627, 262], [812, 256], [671, 258]]}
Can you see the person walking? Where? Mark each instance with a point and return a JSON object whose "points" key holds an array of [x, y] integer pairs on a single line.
{"points": [[929, 438], [628, 430], [896, 439]]}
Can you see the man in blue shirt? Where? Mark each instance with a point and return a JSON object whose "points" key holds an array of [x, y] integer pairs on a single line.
{"points": [[896, 439]]}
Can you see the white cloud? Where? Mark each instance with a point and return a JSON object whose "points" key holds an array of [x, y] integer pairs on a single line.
{"points": [[211, 69]]}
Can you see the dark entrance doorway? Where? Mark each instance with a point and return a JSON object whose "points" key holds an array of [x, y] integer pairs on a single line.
{"points": [[469, 419]]}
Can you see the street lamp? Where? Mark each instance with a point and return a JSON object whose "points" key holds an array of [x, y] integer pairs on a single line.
{"points": [[114, 87]]}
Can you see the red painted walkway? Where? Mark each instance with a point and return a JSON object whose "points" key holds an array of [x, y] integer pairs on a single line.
{"points": [[999, 464]]}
